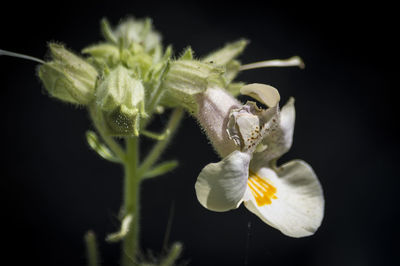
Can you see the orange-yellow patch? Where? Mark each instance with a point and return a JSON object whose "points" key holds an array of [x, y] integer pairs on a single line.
{"points": [[261, 189]]}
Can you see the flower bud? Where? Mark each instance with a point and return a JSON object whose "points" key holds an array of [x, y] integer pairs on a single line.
{"points": [[120, 97], [103, 54], [187, 78], [68, 77], [138, 31]]}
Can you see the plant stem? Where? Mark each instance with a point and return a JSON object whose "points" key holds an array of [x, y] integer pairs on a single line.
{"points": [[130, 245], [173, 255], [91, 249], [158, 148]]}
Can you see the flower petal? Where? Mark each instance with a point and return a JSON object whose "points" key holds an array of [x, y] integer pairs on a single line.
{"points": [[266, 94], [279, 139], [288, 115], [214, 107], [221, 186], [296, 206]]}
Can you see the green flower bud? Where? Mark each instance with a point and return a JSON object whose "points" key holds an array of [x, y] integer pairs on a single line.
{"points": [[120, 97], [188, 78], [138, 31], [136, 59], [133, 31], [68, 77], [103, 54]]}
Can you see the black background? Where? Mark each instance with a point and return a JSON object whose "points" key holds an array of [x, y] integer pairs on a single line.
{"points": [[54, 188]]}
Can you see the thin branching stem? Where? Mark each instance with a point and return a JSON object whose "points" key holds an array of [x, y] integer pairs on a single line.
{"points": [[91, 249], [160, 146]]}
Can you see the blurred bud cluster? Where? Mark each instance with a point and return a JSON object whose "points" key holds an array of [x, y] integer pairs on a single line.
{"points": [[130, 75]]}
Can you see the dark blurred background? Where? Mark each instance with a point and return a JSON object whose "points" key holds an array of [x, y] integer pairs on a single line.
{"points": [[54, 188]]}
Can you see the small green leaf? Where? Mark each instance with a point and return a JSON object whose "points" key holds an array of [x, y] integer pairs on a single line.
{"points": [[100, 148], [161, 169], [107, 32], [227, 53]]}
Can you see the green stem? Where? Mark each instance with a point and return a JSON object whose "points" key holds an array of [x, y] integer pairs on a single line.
{"points": [[130, 245], [173, 255], [91, 249], [158, 148], [133, 176], [158, 91], [156, 96]]}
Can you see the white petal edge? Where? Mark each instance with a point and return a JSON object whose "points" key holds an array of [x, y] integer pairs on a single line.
{"points": [[299, 208], [279, 141], [221, 186], [288, 116]]}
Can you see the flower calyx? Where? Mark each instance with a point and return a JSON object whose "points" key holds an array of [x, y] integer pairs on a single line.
{"points": [[120, 97], [187, 78], [68, 77]]}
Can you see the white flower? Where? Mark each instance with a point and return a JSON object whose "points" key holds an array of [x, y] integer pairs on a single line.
{"points": [[250, 140]]}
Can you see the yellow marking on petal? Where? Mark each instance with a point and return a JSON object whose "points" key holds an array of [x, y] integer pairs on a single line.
{"points": [[262, 190]]}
